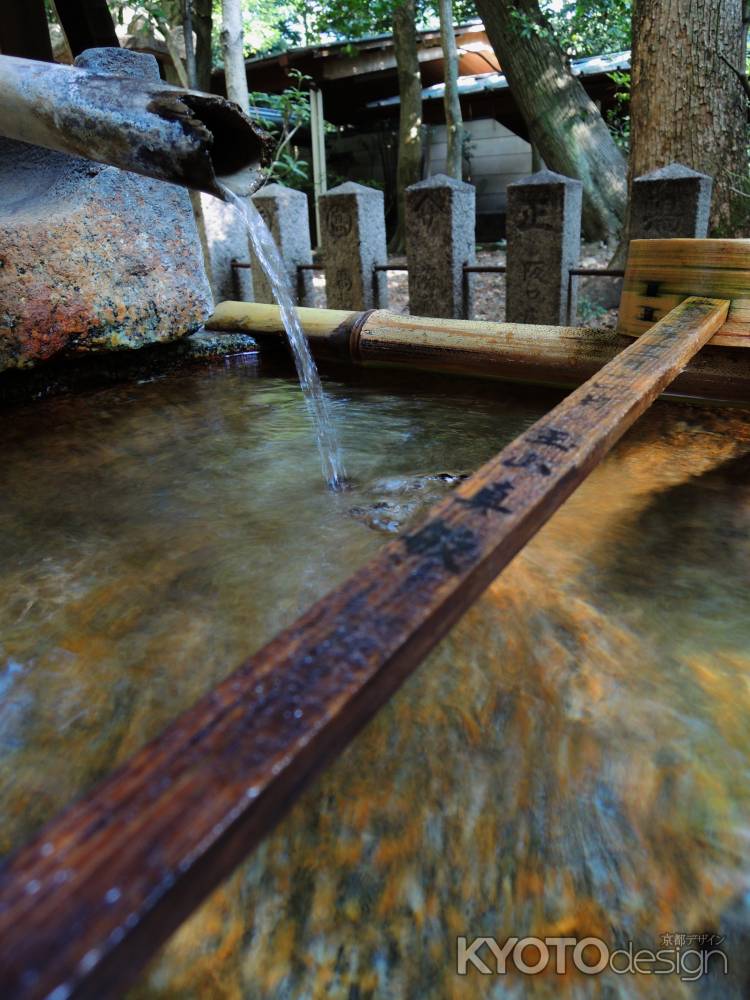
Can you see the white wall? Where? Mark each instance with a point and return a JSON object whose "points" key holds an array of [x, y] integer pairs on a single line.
{"points": [[498, 156]]}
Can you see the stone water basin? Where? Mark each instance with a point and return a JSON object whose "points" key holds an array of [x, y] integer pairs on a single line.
{"points": [[571, 760]]}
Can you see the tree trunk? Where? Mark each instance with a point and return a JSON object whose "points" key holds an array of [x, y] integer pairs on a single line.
{"points": [[563, 122], [203, 25], [454, 124], [410, 118], [87, 24], [24, 30], [233, 50], [687, 103], [187, 31]]}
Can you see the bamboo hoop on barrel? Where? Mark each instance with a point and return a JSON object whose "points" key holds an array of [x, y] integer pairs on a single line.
{"points": [[91, 898]]}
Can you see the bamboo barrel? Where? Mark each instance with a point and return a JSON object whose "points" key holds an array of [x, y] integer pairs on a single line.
{"points": [[662, 273]]}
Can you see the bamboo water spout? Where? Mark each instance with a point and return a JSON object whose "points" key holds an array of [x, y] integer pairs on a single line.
{"points": [[148, 127]]}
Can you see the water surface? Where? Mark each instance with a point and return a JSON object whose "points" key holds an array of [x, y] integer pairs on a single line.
{"points": [[571, 760]]}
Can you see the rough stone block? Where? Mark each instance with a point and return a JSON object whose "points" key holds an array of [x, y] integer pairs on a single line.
{"points": [[284, 211], [91, 257], [544, 238], [672, 202], [352, 222], [440, 214]]}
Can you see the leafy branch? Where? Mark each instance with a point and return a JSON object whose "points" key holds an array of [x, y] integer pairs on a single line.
{"points": [[292, 107]]}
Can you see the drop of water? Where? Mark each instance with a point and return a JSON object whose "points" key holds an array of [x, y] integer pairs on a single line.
{"points": [[89, 960], [61, 992], [266, 251]]}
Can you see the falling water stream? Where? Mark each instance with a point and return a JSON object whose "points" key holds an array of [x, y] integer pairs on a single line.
{"points": [[265, 249]]}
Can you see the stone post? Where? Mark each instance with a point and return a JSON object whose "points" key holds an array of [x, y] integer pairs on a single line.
{"points": [[671, 202], [284, 211], [227, 241], [544, 238], [352, 222], [440, 222]]}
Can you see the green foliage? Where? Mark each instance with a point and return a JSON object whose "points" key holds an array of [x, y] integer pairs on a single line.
{"points": [[590, 27], [293, 105], [581, 27], [288, 168], [589, 312], [154, 12], [618, 118], [354, 18], [274, 25]]}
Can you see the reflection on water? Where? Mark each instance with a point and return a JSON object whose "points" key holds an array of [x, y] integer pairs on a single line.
{"points": [[572, 760]]}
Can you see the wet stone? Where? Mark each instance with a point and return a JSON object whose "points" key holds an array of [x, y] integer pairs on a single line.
{"points": [[284, 211], [352, 221], [669, 203], [93, 258], [440, 213], [544, 235]]}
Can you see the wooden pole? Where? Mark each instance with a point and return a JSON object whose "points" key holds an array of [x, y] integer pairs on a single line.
{"points": [[454, 125], [91, 898], [317, 131], [187, 31], [233, 51], [557, 356]]}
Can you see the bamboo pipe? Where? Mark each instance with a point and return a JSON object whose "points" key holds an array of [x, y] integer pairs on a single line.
{"points": [[542, 355], [148, 127], [327, 330], [140, 852]]}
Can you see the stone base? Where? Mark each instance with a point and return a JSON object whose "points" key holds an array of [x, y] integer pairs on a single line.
{"points": [[92, 258], [77, 373]]}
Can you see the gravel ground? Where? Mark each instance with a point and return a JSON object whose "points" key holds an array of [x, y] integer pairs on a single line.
{"points": [[489, 289]]}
